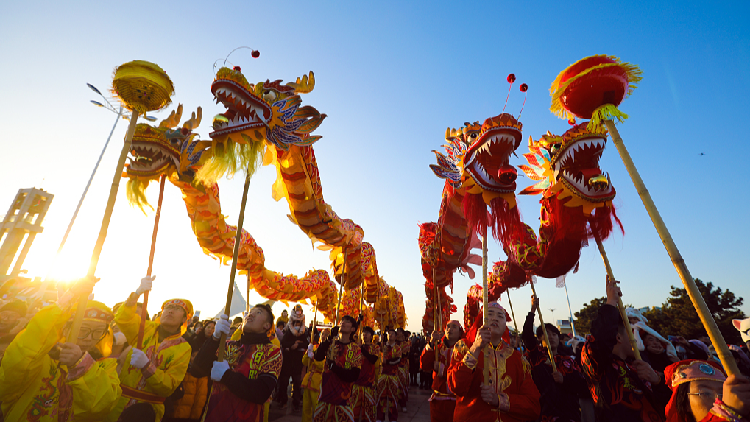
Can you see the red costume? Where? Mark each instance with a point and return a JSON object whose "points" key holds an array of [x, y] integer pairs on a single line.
{"points": [[389, 384], [363, 390], [442, 401], [510, 374], [342, 368]]}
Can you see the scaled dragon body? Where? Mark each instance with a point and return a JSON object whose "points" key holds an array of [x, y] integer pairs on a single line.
{"points": [[478, 174], [185, 156]]}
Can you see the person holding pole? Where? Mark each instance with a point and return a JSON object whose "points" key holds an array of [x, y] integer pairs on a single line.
{"points": [[439, 351], [511, 395], [245, 379], [623, 389], [153, 373], [388, 382], [47, 377], [313, 378], [343, 360], [560, 389], [363, 390]]}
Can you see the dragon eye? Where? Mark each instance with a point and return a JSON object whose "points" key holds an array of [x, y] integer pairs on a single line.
{"points": [[555, 148], [473, 135], [269, 95]]}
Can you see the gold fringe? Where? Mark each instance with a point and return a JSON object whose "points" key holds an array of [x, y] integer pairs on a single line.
{"points": [[633, 72], [605, 112], [229, 158], [136, 193]]}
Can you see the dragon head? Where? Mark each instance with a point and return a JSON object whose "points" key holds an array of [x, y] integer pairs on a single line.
{"points": [[257, 113], [487, 159], [569, 165], [163, 150]]}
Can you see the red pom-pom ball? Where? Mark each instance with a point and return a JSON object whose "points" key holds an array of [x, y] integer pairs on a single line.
{"points": [[256, 54], [511, 78], [524, 87], [607, 85], [237, 68]]}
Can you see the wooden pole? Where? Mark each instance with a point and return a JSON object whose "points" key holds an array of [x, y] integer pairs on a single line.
{"points": [[620, 307], [82, 302], [513, 314], [144, 310], [434, 302], [544, 331], [233, 271], [727, 360], [485, 303]]}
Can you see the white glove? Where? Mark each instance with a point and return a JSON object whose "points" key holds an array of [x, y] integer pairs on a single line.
{"points": [[217, 371], [222, 326], [138, 359], [146, 283], [120, 338], [310, 353]]}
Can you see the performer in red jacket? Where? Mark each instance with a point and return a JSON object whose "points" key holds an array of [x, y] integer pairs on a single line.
{"points": [[438, 353], [510, 395]]}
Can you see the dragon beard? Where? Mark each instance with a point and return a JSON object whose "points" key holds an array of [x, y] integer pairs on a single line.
{"points": [[502, 218], [572, 223]]}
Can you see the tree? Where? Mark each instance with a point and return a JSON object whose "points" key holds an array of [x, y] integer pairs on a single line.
{"points": [[588, 314], [678, 316]]}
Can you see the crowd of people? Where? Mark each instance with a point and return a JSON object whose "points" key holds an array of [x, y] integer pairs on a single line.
{"points": [[173, 367]]}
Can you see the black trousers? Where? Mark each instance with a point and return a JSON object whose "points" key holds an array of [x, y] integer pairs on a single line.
{"points": [[281, 396]]}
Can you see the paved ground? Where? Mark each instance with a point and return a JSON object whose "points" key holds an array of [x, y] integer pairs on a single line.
{"points": [[418, 409]]}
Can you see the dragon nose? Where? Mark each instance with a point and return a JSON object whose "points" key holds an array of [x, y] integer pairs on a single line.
{"points": [[599, 182], [507, 175]]}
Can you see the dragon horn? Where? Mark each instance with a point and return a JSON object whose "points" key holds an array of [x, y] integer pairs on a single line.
{"points": [[194, 121], [531, 141], [173, 119], [305, 85]]}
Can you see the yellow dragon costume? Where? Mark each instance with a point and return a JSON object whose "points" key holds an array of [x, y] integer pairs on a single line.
{"points": [[36, 387], [168, 361]]}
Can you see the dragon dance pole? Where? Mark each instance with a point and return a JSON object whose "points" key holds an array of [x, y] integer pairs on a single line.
{"points": [[341, 286], [80, 311], [439, 305], [572, 325], [695, 296], [235, 254], [513, 314], [485, 303], [144, 311], [620, 306], [544, 330]]}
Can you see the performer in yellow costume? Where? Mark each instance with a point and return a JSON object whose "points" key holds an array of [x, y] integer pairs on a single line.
{"points": [[154, 373], [45, 378], [313, 377]]}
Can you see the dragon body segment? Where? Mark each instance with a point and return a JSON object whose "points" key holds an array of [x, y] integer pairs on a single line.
{"points": [[478, 175], [576, 204], [202, 200]]}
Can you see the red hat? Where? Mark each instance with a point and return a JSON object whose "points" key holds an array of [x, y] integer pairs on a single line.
{"points": [[685, 371]]}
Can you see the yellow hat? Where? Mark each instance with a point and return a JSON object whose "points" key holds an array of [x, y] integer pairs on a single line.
{"points": [[185, 305]]}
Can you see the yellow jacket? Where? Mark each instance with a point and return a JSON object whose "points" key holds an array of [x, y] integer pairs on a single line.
{"points": [[35, 387], [314, 374], [169, 361]]}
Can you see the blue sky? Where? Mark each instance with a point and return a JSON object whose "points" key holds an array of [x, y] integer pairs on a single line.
{"points": [[391, 76]]}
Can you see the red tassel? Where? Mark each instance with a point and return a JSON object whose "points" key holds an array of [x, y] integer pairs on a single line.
{"points": [[475, 212]]}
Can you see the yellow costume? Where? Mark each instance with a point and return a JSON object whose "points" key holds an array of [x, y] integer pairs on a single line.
{"points": [[35, 387], [169, 360], [311, 386]]}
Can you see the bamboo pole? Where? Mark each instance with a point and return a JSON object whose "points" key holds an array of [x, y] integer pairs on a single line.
{"points": [[144, 310], [513, 314], [485, 303], [727, 360], [544, 331], [439, 304], [620, 306], [570, 310], [233, 271], [83, 301]]}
